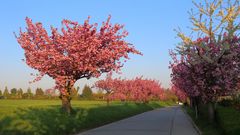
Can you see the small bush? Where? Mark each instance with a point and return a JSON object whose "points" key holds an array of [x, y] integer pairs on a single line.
{"points": [[226, 102], [236, 100]]}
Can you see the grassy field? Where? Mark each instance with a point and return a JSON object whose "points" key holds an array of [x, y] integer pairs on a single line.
{"points": [[45, 116]]}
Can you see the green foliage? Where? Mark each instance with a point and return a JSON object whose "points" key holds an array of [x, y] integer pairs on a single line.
{"points": [[39, 93], [169, 95], [45, 117], [13, 92], [19, 93], [236, 99], [87, 92], [29, 93], [25, 96], [229, 120], [99, 95], [203, 123], [6, 93], [226, 102], [1, 95]]}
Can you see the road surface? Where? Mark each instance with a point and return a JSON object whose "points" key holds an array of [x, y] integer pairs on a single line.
{"points": [[164, 121]]}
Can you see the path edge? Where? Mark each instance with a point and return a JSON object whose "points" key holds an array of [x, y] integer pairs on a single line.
{"points": [[192, 122]]}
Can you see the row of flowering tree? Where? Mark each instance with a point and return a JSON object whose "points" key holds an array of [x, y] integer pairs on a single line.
{"points": [[74, 52], [181, 95], [208, 67], [138, 89]]}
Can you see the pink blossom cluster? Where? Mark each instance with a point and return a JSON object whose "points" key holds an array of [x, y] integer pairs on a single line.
{"points": [[137, 89], [182, 96], [207, 68]]}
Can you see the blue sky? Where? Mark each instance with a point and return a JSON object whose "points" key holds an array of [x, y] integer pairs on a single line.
{"points": [[150, 24]]}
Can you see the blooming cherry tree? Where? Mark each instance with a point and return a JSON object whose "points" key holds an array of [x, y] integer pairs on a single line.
{"points": [[208, 67], [108, 85], [137, 89], [143, 90], [182, 96], [75, 51]]}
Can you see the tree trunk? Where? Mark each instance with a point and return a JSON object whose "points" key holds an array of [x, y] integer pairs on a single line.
{"points": [[145, 101], [66, 98], [211, 112], [191, 102], [194, 104], [196, 107], [66, 104], [196, 111], [107, 102]]}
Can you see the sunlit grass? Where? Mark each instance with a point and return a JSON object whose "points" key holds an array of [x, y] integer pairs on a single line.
{"points": [[46, 117]]}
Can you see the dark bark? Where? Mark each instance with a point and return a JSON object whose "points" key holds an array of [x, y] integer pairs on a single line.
{"points": [[108, 101], [196, 107], [211, 112], [66, 99], [196, 112], [191, 102], [66, 104]]}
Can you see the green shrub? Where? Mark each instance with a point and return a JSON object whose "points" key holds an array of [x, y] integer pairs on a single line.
{"points": [[226, 102], [229, 120]]}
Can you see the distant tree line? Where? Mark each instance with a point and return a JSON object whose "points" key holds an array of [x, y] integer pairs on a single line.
{"points": [[14, 93]]}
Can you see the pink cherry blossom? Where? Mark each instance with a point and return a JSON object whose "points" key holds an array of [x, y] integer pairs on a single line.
{"points": [[207, 68], [74, 51]]}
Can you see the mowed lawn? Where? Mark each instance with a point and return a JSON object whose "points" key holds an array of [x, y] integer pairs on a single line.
{"points": [[9, 106], [45, 116]]}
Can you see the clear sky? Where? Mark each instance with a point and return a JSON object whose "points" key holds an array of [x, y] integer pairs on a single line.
{"points": [[150, 24]]}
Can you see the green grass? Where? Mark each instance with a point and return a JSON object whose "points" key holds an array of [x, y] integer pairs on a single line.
{"points": [[228, 121], [203, 124], [45, 116]]}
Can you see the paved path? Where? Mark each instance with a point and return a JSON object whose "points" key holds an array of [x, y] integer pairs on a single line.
{"points": [[164, 121]]}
